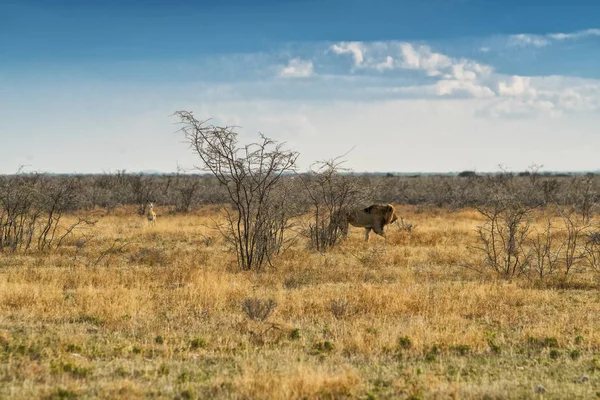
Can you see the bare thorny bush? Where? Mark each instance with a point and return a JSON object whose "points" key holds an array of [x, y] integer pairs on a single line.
{"points": [[331, 195], [187, 190], [546, 250], [32, 211], [503, 236], [513, 246], [591, 250], [253, 176], [143, 191], [258, 309]]}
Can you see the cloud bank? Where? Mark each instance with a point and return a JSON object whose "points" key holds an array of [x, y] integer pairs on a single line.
{"points": [[403, 106]]}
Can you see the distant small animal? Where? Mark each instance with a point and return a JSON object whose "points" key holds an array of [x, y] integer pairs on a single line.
{"points": [[373, 218], [151, 214]]}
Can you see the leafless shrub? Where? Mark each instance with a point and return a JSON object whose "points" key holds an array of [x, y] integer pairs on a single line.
{"points": [[501, 240], [546, 252], [32, 208], [575, 229], [402, 225], [55, 201], [116, 247], [341, 308], [583, 194], [257, 309], [591, 251], [187, 189], [107, 190], [81, 245], [143, 189], [331, 195], [253, 176], [594, 237], [512, 248], [207, 240], [20, 212], [503, 236]]}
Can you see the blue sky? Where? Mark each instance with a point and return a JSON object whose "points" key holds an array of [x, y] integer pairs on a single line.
{"points": [[446, 85]]}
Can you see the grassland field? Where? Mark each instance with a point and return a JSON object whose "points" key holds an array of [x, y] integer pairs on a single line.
{"points": [[139, 312]]}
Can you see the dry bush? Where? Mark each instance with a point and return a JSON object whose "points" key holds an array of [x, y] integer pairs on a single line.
{"points": [[583, 194], [503, 237], [405, 226], [187, 190], [258, 309], [253, 175], [575, 232], [342, 308], [331, 196], [513, 247], [546, 250], [33, 209], [144, 189], [591, 251]]}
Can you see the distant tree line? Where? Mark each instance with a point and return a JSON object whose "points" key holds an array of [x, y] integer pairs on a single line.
{"points": [[180, 192]]}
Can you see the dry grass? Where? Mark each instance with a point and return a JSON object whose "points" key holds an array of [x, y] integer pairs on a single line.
{"points": [[139, 312]]}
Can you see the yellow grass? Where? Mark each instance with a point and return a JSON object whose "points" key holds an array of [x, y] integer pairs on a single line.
{"points": [[160, 316]]}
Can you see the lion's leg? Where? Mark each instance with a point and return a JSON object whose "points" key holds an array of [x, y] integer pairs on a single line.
{"points": [[378, 229], [367, 231]]}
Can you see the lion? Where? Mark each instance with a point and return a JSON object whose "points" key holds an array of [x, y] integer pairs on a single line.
{"points": [[375, 217]]}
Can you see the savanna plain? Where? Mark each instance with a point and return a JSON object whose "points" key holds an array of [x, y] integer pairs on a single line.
{"points": [[142, 311]]}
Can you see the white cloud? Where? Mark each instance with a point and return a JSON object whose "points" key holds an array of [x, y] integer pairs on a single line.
{"points": [[411, 58], [515, 86], [461, 73], [575, 35], [297, 68], [525, 39], [449, 87], [387, 64], [459, 77], [381, 56], [354, 48], [423, 58], [554, 96]]}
